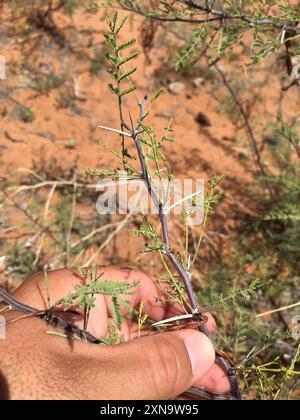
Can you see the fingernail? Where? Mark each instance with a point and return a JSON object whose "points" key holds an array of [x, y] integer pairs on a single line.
{"points": [[201, 353]]}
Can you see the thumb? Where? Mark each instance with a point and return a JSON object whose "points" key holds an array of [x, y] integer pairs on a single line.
{"points": [[164, 365]]}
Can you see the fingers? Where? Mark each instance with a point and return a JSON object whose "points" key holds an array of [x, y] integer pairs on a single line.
{"points": [[157, 367], [34, 290], [215, 380], [146, 290]]}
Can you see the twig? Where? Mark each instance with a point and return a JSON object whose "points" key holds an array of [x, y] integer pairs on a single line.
{"points": [[48, 316], [250, 132], [50, 184], [30, 217], [11, 138], [93, 233], [69, 233], [274, 311], [45, 220]]}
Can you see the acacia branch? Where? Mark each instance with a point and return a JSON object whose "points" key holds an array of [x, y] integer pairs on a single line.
{"points": [[182, 272], [166, 248], [223, 14], [217, 15]]}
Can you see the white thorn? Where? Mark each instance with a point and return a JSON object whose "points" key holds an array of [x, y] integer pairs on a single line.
{"points": [[115, 131]]}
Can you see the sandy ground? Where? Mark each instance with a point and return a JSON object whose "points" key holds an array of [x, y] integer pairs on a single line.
{"points": [[71, 135]]}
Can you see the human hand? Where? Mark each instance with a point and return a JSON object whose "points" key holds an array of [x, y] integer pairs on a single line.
{"points": [[36, 365]]}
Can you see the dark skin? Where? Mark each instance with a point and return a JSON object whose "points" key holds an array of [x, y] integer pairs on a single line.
{"points": [[37, 365]]}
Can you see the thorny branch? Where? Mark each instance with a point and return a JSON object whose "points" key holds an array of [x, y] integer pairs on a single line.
{"points": [[207, 7], [167, 249], [212, 14]]}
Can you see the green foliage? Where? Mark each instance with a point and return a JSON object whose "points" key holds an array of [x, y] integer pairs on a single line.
{"points": [[148, 230], [279, 227], [234, 298], [117, 60], [268, 243], [266, 343], [222, 25], [115, 311], [113, 337], [190, 52], [21, 261], [84, 295], [270, 373], [172, 289], [26, 114], [119, 73]]}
